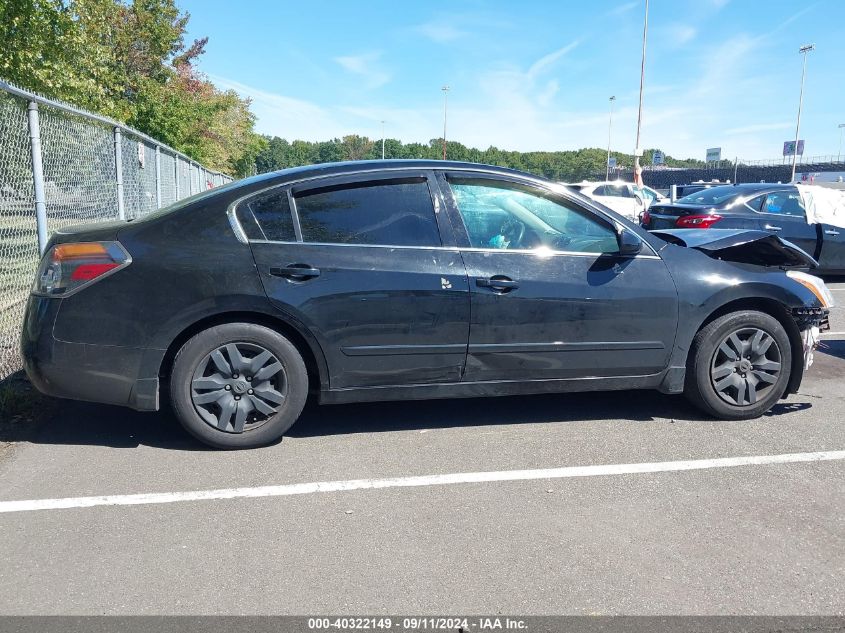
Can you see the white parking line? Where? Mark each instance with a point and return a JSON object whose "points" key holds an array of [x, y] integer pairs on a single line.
{"points": [[29, 505], [833, 333]]}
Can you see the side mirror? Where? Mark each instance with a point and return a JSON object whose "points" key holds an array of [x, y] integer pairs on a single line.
{"points": [[629, 242]]}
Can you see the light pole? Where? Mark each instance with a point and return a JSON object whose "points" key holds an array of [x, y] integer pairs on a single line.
{"points": [[445, 90], [839, 155], [803, 50], [638, 179], [609, 129], [382, 140]]}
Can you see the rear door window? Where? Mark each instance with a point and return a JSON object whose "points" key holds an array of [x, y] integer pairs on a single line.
{"points": [[784, 203], [383, 212]]}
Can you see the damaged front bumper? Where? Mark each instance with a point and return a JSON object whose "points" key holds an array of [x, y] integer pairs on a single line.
{"points": [[811, 322]]}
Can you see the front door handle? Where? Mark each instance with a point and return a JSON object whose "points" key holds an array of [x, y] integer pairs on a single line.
{"points": [[498, 283], [769, 227], [295, 272], [831, 232]]}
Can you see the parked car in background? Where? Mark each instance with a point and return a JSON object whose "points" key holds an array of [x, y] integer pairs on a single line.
{"points": [[694, 187], [775, 208], [650, 195], [622, 197], [400, 280]]}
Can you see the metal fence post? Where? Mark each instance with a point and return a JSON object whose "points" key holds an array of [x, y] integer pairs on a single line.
{"points": [[118, 168], [37, 175], [176, 173], [158, 177]]}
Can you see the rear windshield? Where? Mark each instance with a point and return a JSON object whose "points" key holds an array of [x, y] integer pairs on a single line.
{"points": [[713, 195]]}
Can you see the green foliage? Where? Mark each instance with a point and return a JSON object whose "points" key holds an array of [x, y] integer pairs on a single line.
{"points": [[128, 61], [565, 166]]}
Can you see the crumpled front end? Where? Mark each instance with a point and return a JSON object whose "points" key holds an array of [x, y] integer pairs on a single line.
{"points": [[811, 322], [759, 248]]}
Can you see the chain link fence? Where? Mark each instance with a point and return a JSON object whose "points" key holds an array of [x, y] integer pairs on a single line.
{"points": [[61, 166]]}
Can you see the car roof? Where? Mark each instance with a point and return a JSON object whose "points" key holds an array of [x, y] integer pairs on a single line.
{"points": [[355, 166]]}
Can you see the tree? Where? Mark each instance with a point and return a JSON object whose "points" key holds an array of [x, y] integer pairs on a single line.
{"points": [[356, 147], [573, 165], [128, 61]]}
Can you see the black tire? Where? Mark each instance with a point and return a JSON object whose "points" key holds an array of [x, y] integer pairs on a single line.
{"points": [[222, 409], [731, 389]]}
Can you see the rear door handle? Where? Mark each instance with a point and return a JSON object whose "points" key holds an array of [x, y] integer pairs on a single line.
{"points": [[831, 232], [295, 272], [497, 282], [769, 227]]}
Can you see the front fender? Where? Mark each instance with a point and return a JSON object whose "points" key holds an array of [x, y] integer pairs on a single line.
{"points": [[708, 288]]}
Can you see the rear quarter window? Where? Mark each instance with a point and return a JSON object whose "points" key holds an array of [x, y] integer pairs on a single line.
{"points": [[267, 216]]}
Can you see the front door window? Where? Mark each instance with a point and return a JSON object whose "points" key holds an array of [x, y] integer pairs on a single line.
{"points": [[508, 216]]}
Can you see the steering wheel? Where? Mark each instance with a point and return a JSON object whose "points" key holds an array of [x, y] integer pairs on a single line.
{"points": [[517, 240]]}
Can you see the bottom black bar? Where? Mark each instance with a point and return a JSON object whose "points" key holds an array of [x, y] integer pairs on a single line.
{"points": [[415, 624]]}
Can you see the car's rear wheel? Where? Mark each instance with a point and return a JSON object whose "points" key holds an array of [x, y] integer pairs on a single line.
{"points": [[238, 385], [739, 365]]}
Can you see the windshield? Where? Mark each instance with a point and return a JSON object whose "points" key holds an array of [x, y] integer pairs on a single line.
{"points": [[713, 195]]}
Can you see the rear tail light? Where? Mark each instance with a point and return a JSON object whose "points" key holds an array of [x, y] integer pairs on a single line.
{"points": [[66, 268], [697, 221], [646, 218]]}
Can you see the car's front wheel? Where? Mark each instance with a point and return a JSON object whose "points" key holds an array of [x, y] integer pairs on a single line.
{"points": [[238, 385], [739, 365]]}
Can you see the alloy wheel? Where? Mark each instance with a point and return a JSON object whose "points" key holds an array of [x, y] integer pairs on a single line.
{"points": [[745, 366], [238, 387]]}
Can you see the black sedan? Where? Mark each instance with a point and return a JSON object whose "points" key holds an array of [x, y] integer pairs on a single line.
{"points": [[775, 208], [409, 280]]}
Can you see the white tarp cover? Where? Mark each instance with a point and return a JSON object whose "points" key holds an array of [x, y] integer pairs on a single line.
{"points": [[823, 205]]}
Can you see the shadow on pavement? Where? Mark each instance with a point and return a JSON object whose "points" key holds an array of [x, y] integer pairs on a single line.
{"points": [[832, 347], [79, 423]]}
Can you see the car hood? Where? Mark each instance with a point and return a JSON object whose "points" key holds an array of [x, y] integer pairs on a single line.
{"points": [[742, 246]]}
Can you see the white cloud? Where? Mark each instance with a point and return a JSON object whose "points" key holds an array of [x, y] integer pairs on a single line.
{"points": [[440, 32], [366, 66], [624, 8], [285, 116], [758, 127], [549, 92], [547, 61], [681, 34]]}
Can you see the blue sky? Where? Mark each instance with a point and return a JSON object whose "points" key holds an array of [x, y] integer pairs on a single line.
{"points": [[535, 75]]}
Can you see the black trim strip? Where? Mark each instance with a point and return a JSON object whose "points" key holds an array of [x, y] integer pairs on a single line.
{"points": [[498, 348], [597, 346], [396, 350]]}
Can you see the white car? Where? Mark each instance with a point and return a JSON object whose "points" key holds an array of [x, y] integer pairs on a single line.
{"points": [[651, 195], [623, 197]]}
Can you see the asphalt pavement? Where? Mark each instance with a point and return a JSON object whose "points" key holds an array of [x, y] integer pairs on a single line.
{"points": [[761, 538]]}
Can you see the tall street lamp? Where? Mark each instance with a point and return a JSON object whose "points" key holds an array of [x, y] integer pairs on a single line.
{"points": [[445, 90], [803, 51], [638, 177], [609, 129], [839, 155], [382, 140]]}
